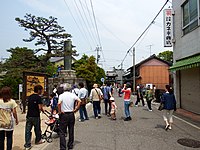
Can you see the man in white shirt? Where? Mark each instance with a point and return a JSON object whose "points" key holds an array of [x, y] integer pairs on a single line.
{"points": [[83, 95], [66, 110]]}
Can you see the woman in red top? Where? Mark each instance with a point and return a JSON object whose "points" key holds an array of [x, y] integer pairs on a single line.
{"points": [[127, 96]]}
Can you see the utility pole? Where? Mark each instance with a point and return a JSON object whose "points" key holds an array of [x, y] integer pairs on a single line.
{"points": [[150, 47], [133, 69], [121, 74], [98, 56]]}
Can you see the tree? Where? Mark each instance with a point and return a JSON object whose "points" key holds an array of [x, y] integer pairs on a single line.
{"points": [[87, 68], [166, 55], [47, 33], [21, 59]]}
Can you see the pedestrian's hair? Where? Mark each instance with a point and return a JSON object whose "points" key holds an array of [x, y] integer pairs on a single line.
{"points": [[81, 84], [169, 89], [37, 88], [52, 94], [60, 90], [6, 93]]}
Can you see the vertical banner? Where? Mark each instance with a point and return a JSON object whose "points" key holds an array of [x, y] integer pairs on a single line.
{"points": [[168, 27]]}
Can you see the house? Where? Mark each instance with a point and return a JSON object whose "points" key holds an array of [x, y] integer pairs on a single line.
{"points": [[186, 47], [58, 61], [153, 71]]}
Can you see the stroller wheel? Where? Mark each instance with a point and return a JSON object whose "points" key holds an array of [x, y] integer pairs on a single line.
{"points": [[44, 136], [49, 140]]}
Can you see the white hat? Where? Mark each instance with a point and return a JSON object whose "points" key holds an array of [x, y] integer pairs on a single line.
{"points": [[66, 86]]}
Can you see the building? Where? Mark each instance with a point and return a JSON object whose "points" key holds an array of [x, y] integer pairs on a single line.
{"points": [[58, 61], [186, 44], [151, 71]]}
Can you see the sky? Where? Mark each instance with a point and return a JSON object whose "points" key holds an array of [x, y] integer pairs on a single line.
{"points": [[119, 23]]}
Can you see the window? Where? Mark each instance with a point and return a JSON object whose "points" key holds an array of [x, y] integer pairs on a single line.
{"points": [[190, 15]]}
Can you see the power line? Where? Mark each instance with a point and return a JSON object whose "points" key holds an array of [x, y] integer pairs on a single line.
{"points": [[95, 23], [93, 36], [83, 34], [83, 21], [152, 22]]}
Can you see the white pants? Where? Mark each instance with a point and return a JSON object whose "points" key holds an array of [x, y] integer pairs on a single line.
{"points": [[167, 115]]}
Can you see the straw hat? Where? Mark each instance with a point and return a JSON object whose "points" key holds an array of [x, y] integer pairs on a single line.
{"points": [[95, 86]]}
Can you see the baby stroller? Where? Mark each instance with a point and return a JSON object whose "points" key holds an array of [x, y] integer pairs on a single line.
{"points": [[52, 124]]}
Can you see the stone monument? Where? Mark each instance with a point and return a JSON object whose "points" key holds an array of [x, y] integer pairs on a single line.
{"points": [[67, 75]]}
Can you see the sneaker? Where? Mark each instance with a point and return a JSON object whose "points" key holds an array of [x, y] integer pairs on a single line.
{"points": [[167, 127], [136, 105], [96, 117], [99, 115], [27, 148], [126, 119], [170, 127], [150, 110], [81, 120], [87, 119], [40, 142]]}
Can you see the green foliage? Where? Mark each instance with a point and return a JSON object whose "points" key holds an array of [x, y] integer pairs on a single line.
{"points": [[46, 33], [22, 59], [87, 68], [166, 55]]}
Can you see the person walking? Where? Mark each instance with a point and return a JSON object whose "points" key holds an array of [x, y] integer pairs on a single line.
{"points": [[75, 90], [96, 96], [149, 97], [66, 111], [169, 101], [113, 108], [106, 90], [139, 91], [127, 97], [35, 106], [8, 116], [83, 95]]}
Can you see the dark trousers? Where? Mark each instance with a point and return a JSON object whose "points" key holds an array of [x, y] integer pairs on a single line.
{"points": [[138, 100], [83, 112], [149, 104], [96, 108], [67, 121], [9, 135], [32, 122], [107, 110]]}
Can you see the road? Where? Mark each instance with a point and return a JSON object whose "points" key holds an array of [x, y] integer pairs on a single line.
{"points": [[144, 132]]}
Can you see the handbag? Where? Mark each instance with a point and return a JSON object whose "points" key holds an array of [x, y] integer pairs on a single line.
{"points": [[161, 107]]}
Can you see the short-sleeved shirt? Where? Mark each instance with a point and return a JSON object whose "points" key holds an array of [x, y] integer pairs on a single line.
{"points": [[83, 93], [7, 107], [67, 100], [95, 93], [33, 105]]}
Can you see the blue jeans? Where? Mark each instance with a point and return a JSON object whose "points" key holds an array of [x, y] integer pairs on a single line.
{"points": [[83, 112], [9, 135], [96, 108], [126, 108], [30, 122]]}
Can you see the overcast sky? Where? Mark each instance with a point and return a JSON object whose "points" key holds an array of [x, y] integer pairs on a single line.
{"points": [[119, 22]]}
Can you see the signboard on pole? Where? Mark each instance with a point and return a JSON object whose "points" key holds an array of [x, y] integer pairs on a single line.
{"points": [[20, 88], [168, 27], [102, 80]]}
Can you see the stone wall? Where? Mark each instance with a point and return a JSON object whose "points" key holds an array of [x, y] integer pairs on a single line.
{"points": [[65, 76]]}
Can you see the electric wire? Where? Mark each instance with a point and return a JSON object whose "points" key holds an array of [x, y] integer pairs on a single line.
{"points": [[83, 33], [89, 34], [152, 22], [92, 34], [95, 23]]}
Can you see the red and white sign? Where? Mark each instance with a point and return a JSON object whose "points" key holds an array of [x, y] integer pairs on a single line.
{"points": [[168, 28]]}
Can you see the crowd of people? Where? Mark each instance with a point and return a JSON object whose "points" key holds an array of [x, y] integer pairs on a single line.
{"points": [[66, 101]]}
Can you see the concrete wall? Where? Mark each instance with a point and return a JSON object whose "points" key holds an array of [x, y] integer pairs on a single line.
{"points": [[185, 45]]}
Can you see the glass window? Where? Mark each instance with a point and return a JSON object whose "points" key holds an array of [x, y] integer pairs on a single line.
{"points": [[190, 16]]}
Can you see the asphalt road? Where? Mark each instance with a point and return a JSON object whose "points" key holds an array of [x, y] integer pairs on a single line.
{"points": [[144, 132]]}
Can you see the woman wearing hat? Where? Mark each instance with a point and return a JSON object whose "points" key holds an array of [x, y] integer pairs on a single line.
{"points": [[96, 96]]}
